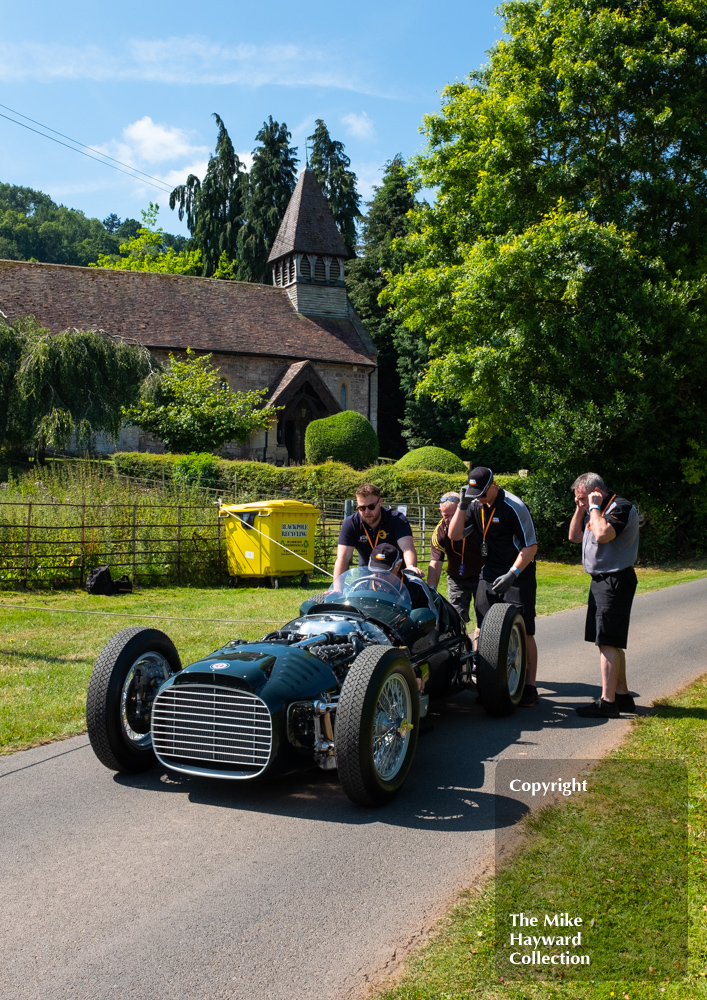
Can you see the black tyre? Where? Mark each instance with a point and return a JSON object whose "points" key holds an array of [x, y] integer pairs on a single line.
{"points": [[377, 724], [501, 659], [123, 685]]}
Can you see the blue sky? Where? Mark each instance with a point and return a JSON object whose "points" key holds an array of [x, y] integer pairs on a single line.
{"points": [[139, 81]]}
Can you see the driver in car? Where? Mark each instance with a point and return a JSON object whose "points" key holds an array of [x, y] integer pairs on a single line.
{"points": [[385, 558]]}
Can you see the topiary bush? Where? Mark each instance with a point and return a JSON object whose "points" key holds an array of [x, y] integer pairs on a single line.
{"points": [[343, 437], [432, 459]]}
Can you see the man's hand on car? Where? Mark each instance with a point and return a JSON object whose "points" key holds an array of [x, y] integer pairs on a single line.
{"points": [[504, 583], [415, 569]]}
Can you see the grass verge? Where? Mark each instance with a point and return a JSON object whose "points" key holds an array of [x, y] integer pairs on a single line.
{"points": [[459, 960], [46, 658]]}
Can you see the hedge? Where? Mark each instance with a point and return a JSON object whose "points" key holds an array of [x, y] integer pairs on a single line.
{"points": [[433, 459], [335, 480], [671, 529]]}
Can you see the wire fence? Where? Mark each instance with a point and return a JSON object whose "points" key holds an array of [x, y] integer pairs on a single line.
{"points": [[60, 543]]}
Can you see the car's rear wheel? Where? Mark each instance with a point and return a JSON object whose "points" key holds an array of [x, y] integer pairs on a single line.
{"points": [[123, 685], [377, 723], [501, 659]]}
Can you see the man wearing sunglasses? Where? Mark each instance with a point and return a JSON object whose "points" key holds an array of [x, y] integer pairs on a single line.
{"points": [[463, 558], [506, 535], [369, 526]]}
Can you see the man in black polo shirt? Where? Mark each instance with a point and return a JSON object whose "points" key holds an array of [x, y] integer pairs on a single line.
{"points": [[368, 527], [463, 558], [606, 526], [506, 535]]}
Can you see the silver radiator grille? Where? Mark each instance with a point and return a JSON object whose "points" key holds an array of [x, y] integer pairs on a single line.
{"points": [[209, 725]]}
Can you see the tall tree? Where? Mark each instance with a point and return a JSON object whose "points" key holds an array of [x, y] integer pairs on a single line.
{"points": [[271, 181], [214, 206], [560, 274], [365, 279], [331, 165]]}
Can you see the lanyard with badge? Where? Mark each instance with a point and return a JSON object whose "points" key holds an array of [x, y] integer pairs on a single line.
{"points": [[461, 564], [372, 544], [484, 546]]}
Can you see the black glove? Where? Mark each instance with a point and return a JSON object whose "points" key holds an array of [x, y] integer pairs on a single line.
{"points": [[503, 583], [465, 500]]}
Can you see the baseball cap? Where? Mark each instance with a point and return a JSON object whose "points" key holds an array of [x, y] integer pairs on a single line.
{"points": [[480, 479], [384, 558]]}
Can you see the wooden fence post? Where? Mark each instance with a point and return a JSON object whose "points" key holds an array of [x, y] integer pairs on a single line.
{"points": [[179, 544], [29, 526], [83, 539], [134, 520]]}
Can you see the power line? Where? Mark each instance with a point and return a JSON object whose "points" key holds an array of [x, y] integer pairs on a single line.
{"points": [[130, 172]]}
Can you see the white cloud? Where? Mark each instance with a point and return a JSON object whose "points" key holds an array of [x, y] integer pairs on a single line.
{"points": [[155, 143], [181, 60], [359, 125]]}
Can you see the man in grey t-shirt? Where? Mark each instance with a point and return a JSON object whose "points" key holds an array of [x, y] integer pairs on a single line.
{"points": [[606, 526]]}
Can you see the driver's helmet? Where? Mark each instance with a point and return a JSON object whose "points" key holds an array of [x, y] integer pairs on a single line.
{"points": [[385, 558]]}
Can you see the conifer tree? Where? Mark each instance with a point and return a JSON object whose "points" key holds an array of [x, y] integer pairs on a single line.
{"points": [[271, 182], [214, 206], [331, 165]]}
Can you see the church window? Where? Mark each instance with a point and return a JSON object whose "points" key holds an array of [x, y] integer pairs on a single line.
{"points": [[306, 268], [342, 395], [319, 270], [334, 270]]}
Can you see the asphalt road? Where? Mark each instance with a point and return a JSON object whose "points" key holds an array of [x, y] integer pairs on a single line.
{"points": [[160, 887]]}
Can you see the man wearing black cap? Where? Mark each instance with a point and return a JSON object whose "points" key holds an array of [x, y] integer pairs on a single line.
{"points": [[385, 558], [506, 535], [463, 558]]}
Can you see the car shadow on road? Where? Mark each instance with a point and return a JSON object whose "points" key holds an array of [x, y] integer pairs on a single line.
{"points": [[448, 787]]}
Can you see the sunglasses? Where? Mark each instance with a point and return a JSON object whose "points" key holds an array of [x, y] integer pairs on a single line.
{"points": [[368, 506], [449, 500]]}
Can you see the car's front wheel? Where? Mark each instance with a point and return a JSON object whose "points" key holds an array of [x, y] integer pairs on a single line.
{"points": [[377, 723], [126, 678], [501, 659]]}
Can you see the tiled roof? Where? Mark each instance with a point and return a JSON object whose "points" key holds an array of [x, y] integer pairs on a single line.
{"points": [[308, 225], [175, 311]]}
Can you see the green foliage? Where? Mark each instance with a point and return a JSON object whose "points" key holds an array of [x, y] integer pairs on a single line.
{"points": [[331, 165], [198, 469], [271, 181], [147, 251], [189, 407], [434, 459], [365, 280], [74, 383], [214, 206], [345, 436], [34, 226], [560, 273]]}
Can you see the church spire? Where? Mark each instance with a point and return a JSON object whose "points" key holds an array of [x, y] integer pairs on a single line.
{"points": [[308, 254]]}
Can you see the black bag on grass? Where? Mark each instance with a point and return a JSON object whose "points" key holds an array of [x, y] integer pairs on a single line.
{"points": [[99, 582], [122, 586]]}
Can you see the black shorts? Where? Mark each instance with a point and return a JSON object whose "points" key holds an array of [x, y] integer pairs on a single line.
{"points": [[521, 594], [609, 608]]}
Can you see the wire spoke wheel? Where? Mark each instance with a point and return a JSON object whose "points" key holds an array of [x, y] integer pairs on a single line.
{"points": [[391, 732], [377, 721], [127, 675]]}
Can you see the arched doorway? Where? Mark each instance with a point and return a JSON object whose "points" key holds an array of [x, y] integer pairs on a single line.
{"points": [[294, 419]]}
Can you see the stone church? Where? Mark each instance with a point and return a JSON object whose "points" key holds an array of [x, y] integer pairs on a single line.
{"points": [[300, 338]]}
